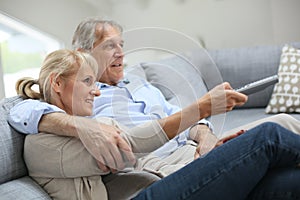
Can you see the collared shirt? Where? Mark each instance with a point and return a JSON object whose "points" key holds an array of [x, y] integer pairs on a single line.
{"points": [[134, 101]]}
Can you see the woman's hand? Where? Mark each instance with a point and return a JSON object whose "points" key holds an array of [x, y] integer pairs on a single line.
{"points": [[204, 137], [209, 141], [227, 138]]}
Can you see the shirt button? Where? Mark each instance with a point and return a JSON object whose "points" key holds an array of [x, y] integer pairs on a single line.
{"points": [[25, 123]]}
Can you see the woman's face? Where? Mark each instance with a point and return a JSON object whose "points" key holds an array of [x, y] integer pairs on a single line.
{"points": [[78, 92]]}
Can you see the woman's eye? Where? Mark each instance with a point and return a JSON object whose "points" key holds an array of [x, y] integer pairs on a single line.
{"points": [[88, 81]]}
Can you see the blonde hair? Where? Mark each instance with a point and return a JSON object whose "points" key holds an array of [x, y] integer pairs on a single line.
{"points": [[62, 63]]}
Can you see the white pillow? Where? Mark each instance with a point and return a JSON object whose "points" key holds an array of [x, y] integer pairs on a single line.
{"points": [[286, 94]]}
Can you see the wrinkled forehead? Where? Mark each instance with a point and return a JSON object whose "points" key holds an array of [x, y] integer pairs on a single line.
{"points": [[106, 32]]}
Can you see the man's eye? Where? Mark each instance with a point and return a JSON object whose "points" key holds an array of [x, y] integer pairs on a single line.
{"points": [[109, 46]]}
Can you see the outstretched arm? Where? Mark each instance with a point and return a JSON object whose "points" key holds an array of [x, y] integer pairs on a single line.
{"points": [[219, 100]]}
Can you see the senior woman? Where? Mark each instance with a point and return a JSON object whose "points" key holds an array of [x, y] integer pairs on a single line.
{"points": [[67, 83], [246, 167]]}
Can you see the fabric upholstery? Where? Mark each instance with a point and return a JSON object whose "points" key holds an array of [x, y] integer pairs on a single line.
{"points": [[12, 165], [178, 79], [135, 70], [239, 117], [240, 66], [14, 180], [22, 189]]}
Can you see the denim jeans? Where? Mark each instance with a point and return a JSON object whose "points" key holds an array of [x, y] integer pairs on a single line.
{"points": [[259, 164]]}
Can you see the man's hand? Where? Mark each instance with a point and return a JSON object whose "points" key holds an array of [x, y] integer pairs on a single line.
{"points": [[220, 99], [204, 137], [102, 141], [105, 144]]}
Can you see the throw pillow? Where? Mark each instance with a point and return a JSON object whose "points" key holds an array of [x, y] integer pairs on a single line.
{"points": [[180, 81], [286, 94]]}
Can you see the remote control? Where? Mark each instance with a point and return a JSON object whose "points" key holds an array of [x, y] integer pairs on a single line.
{"points": [[258, 85]]}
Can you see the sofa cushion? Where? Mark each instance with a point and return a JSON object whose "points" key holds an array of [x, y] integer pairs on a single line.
{"points": [[238, 117], [178, 79], [286, 95], [22, 189], [12, 165], [135, 70], [240, 66]]}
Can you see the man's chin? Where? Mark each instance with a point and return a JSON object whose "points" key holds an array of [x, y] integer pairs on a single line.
{"points": [[117, 80]]}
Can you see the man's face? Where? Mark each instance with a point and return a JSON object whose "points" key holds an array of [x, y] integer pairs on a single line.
{"points": [[109, 56]]}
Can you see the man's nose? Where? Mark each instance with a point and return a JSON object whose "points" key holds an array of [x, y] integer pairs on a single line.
{"points": [[119, 52]]}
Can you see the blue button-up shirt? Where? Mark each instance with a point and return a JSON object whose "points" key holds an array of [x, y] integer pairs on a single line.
{"points": [[134, 101]]}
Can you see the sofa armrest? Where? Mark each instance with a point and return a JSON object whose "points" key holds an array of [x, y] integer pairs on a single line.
{"points": [[22, 189]]}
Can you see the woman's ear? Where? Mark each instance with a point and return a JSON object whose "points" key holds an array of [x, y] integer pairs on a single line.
{"points": [[56, 83], [80, 49]]}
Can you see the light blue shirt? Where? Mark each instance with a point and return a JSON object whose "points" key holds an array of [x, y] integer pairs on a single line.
{"points": [[132, 103]]}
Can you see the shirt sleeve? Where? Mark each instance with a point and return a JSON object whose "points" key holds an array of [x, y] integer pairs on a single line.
{"points": [[168, 107], [25, 116]]}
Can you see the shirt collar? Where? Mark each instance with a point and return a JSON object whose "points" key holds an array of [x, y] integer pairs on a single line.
{"points": [[122, 83]]}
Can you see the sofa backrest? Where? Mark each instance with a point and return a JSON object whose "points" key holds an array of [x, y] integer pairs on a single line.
{"points": [[184, 78], [240, 66], [176, 77], [12, 165]]}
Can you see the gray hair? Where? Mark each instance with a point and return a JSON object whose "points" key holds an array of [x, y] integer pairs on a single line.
{"points": [[86, 33]]}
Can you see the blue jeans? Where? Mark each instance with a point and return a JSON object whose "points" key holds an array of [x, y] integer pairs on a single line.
{"points": [[259, 164]]}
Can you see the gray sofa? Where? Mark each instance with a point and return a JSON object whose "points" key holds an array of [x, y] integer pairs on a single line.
{"points": [[14, 180], [182, 79]]}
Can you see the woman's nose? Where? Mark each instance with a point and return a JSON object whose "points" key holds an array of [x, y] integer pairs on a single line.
{"points": [[96, 92]]}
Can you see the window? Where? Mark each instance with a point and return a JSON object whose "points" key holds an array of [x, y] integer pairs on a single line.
{"points": [[22, 50]]}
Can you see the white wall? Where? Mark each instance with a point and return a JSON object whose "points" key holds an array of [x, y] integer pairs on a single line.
{"points": [[217, 23], [220, 23]]}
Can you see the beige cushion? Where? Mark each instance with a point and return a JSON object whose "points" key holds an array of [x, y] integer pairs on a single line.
{"points": [[286, 94]]}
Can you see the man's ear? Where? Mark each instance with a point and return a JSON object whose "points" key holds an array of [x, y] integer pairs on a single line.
{"points": [[56, 83]]}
